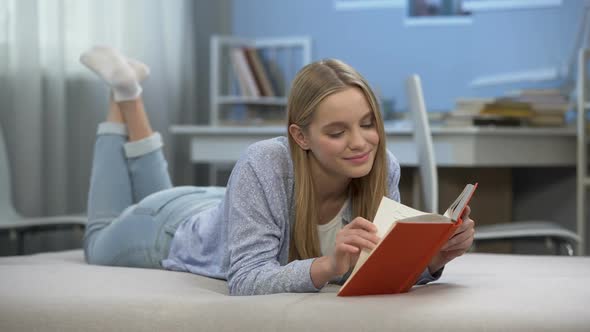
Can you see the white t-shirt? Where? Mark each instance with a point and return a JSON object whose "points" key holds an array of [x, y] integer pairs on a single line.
{"points": [[327, 232]]}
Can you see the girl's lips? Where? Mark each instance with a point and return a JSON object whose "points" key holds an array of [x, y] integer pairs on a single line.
{"points": [[361, 158]]}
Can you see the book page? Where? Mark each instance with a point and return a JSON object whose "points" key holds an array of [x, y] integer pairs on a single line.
{"points": [[454, 211], [388, 213], [453, 206]]}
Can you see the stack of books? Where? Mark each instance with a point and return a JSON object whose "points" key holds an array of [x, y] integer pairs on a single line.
{"points": [[540, 107], [549, 106], [466, 112], [505, 112]]}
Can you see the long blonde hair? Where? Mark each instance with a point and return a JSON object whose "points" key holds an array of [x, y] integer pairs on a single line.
{"points": [[312, 84]]}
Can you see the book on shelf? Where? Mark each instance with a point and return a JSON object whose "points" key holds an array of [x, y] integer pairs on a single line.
{"points": [[409, 240], [454, 120], [488, 112], [470, 105], [547, 120], [544, 100], [260, 74], [240, 77], [549, 106], [276, 74], [508, 107], [537, 92], [466, 109], [532, 107], [244, 73], [498, 121]]}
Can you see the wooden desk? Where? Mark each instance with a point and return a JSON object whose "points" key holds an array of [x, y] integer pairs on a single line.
{"points": [[453, 147]]}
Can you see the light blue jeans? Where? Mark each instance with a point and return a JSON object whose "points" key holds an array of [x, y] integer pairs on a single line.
{"points": [[133, 210]]}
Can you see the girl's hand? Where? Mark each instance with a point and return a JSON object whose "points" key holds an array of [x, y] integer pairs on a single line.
{"points": [[350, 240], [457, 245]]}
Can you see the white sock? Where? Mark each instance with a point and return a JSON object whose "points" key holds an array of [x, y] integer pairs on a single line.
{"points": [[142, 71], [114, 69]]}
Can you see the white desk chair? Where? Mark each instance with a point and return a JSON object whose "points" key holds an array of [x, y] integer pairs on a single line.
{"points": [[551, 232], [11, 221]]}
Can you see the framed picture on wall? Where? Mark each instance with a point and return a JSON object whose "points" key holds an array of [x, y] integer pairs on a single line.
{"points": [[442, 12], [434, 8]]}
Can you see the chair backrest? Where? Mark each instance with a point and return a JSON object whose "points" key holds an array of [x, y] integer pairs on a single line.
{"points": [[6, 204], [423, 139]]}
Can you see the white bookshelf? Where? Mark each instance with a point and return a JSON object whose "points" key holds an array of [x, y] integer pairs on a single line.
{"points": [[285, 55]]}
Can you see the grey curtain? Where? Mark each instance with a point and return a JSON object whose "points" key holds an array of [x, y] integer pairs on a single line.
{"points": [[50, 104]]}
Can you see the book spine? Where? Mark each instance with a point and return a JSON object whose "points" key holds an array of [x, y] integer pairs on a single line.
{"points": [[249, 71], [276, 77], [262, 79], [253, 69], [239, 71], [245, 73]]}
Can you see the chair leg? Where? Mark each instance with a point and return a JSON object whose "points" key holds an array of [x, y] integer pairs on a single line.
{"points": [[550, 245], [20, 243], [567, 248]]}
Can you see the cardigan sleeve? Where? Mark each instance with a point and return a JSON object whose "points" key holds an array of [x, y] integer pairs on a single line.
{"points": [[255, 209]]}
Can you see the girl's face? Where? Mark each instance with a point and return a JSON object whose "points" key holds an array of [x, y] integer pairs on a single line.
{"points": [[342, 136]]}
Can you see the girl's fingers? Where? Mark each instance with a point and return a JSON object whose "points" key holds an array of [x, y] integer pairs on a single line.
{"points": [[361, 233], [358, 241], [466, 213], [463, 245], [347, 248], [361, 223], [452, 254], [467, 223], [459, 238]]}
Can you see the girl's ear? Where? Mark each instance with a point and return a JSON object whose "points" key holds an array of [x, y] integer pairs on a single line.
{"points": [[298, 136]]}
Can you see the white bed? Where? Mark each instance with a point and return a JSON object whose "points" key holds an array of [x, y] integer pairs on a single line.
{"points": [[486, 292]]}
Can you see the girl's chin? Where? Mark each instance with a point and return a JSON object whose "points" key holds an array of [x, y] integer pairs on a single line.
{"points": [[358, 173]]}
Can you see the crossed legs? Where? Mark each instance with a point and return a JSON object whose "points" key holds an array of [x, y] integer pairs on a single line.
{"points": [[128, 162]]}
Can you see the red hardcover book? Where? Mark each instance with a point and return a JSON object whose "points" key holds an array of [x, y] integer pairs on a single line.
{"points": [[409, 240]]}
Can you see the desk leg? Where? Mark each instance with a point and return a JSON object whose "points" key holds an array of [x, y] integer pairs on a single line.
{"points": [[212, 174], [417, 190]]}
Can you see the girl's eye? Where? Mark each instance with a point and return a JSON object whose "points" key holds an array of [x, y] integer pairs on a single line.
{"points": [[336, 135], [367, 125]]}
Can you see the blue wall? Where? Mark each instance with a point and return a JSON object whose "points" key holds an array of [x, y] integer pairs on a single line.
{"points": [[378, 44]]}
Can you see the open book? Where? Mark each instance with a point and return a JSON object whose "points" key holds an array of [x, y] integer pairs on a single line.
{"points": [[409, 240]]}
